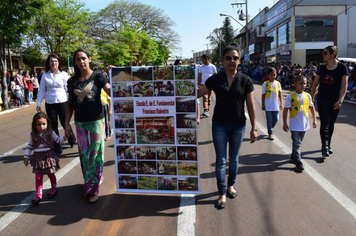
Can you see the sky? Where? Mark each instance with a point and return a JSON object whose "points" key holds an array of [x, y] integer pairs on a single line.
{"points": [[195, 19]]}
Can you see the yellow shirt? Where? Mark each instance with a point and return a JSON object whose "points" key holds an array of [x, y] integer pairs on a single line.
{"points": [[104, 97]]}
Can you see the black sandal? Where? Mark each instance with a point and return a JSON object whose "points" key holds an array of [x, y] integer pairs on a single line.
{"points": [[52, 194], [36, 201]]}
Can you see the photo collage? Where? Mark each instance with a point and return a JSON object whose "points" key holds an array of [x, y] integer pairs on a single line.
{"points": [[155, 127]]}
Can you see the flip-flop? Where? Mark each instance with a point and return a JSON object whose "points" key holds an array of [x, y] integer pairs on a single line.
{"points": [[93, 199], [36, 201], [52, 194]]}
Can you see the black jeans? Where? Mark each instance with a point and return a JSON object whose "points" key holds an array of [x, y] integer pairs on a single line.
{"points": [[327, 116], [55, 111]]}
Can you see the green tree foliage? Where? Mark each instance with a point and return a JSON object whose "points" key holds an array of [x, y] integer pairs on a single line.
{"points": [[220, 38], [32, 57], [61, 23], [142, 28], [14, 18], [129, 47], [136, 15]]}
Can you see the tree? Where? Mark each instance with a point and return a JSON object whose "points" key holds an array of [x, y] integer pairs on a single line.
{"points": [[14, 18], [131, 13], [220, 38], [127, 47], [32, 57], [62, 23]]}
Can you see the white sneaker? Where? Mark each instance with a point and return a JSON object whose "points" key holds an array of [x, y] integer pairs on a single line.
{"points": [[205, 113], [271, 137]]}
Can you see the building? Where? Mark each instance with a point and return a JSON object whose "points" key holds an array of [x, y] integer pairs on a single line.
{"points": [[197, 55], [298, 31]]}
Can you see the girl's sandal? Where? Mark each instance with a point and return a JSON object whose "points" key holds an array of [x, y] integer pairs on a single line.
{"points": [[36, 201], [93, 199]]}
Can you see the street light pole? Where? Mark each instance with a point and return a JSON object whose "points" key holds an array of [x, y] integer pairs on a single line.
{"points": [[246, 21], [221, 14]]}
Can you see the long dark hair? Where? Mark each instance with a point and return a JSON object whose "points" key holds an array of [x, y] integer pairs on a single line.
{"points": [[56, 57], [76, 69], [38, 116]]}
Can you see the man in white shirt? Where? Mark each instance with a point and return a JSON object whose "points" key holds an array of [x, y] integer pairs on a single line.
{"points": [[205, 71]]}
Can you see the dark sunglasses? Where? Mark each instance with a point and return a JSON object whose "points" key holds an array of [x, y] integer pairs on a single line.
{"points": [[230, 58], [325, 53]]}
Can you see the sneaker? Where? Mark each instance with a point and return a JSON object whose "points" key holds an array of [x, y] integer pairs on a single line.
{"points": [[299, 166], [330, 150], [271, 137], [206, 113]]}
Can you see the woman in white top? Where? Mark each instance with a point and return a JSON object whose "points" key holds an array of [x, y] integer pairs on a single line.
{"points": [[54, 86], [36, 86]]}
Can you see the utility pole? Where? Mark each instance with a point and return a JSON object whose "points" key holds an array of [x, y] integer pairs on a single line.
{"points": [[245, 3], [207, 49]]}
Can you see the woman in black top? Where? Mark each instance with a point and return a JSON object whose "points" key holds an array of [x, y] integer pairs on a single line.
{"points": [[84, 90], [232, 90], [331, 79]]}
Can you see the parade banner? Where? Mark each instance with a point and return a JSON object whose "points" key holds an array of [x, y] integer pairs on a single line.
{"points": [[155, 129]]}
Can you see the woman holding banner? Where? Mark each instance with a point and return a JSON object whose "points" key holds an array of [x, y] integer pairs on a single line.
{"points": [[84, 98]]}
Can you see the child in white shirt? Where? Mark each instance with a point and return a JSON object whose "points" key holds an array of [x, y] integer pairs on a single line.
{"points": [[271, 100], [298, 103]]}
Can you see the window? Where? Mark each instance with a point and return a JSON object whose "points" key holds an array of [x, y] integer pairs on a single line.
{"points": [[311, 30], [271, 40]]}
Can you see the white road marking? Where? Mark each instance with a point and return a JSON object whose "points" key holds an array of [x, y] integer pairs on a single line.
{"points": [[186, 215], [22, 206], [344, 201]]}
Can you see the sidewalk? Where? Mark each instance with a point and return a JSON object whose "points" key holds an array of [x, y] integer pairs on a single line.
{"points": [[15, 109]]}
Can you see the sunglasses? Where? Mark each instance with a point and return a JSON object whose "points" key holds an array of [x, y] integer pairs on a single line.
{"points": [[230, 58], [325, 53]]}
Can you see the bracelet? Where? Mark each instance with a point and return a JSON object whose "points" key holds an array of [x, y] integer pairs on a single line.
{"points": [[254, 129], [341, 100]]}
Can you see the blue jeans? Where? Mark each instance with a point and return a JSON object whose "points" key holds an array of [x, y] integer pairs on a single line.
{"points": [[30, 95], [272, 119], [224, 131], [297, 138]]}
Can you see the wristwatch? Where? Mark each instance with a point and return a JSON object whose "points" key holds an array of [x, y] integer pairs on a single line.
{"points": [[253, 129]]}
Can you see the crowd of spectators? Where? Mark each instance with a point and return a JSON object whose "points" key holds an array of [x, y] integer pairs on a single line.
{"points": [[286, 73]]}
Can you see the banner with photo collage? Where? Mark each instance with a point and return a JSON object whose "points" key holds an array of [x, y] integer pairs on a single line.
{"points": [[155, 129]]}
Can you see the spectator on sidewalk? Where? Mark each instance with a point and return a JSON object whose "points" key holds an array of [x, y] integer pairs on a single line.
{"points": [[351, 88], [19, 81], [36, 86], [29, 86]]}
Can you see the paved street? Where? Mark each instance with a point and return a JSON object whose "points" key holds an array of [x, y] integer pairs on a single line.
{"points": [[273, 199]]}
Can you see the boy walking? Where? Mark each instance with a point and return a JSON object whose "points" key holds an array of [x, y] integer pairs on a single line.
{"points": [[298, 103], [271, 100]]}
